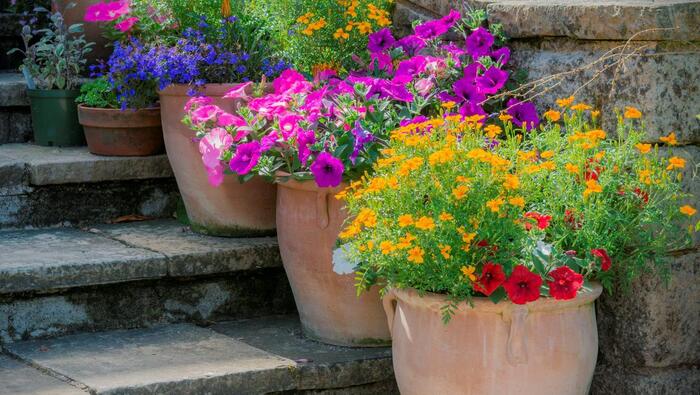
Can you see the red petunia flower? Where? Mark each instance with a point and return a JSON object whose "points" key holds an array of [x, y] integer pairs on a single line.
{"points": [[565, 284], [642, 195], [542, 220], [592, 174], [485, 244], [605, 261], [523, 285], [492, 276], [571, 220]]}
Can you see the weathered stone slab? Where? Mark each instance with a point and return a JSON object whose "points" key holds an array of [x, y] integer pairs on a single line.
{"points": [[13, 90], [649, 381], [598, 20], [190, 253], [12, 176], [319, 365], [15, 125], [19, 379], [137, 304], [39, 260], [654, 325], [53, 165], [663, 83], [175, 359]]}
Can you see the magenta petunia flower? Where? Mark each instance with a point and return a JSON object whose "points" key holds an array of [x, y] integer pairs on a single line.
{"points": [[450, 19], [397, 92], [205, 113], [238, 92], [211, 147], [225, 119], [431, 29], [409, 69], [523, 113], [501, 55], [246, 157], [380, 41], [291, 81], [125, 25], [327, 170], [492, 80], [304, 139], [197, 101], [471, 108], [479, 43], [411, 45], [289, 124], [466, 91], [381, 61], [106, 12]]}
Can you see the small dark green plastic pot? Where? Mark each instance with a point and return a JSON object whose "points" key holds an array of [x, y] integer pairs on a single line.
{"points": [[55, 117]]}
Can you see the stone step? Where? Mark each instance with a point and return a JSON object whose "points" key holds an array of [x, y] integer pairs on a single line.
{"points": [[49, 186], [258, 356], [15, 121], [62, 280]]}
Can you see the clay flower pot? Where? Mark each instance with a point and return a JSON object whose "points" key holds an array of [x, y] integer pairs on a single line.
{"points": [[231, 209], [546, 347], [309, 220], [113, 132]]}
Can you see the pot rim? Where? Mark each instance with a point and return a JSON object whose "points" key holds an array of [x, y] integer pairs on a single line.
{"points": [[53, 93], [435, 301], [83, 107], [209, 89], [305, 185]]}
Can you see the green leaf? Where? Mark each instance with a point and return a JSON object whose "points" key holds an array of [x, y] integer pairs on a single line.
{"points": [[498, 295]]}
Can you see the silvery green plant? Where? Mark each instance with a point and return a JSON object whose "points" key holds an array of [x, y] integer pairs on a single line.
{"points": [[55, 56]]}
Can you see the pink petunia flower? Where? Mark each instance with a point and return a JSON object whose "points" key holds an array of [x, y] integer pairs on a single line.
{"points": [[126, 25], [106, 12]]}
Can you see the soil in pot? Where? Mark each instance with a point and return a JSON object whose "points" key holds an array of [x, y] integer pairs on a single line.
{"points": [[309, 220], [113, 132], [546, 347], [231, 209], [55, 118]]}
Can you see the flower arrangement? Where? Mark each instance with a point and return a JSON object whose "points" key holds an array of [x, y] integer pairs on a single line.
{"points": [[331, 128], [464, 209], [55, 56]]}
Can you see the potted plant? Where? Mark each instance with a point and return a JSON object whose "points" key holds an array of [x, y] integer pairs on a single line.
{"points": [[114, 131], [314, 137], [493, 243], [53, 60]]}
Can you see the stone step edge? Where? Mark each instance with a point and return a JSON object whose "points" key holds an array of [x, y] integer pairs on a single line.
{"points": [[24, 165], [270, 351], [118, 253]]}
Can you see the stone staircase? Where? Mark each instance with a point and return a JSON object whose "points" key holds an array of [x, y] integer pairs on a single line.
{"points": [[102, 291]]}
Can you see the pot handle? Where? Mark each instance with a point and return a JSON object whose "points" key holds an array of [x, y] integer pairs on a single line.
{"points": [[322, 219], [389, 301], [516, 351]]}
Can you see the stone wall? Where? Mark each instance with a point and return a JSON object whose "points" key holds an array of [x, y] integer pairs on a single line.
{"points": [[649, 341]]}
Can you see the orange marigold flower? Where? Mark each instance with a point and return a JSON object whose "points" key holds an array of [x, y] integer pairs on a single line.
{"points": [[675, 163], [492, 131], [670, 139], [468, 272], [405, 220], [688, 210], [387, 247], [566, 102], [448, 105], [505, 117], [571, 168], [592, 186], [460, 192], [643, 148], [415, 255], [581, 107], [425, 223], [495, 204], [445, 251], [595, 113], [511, 182], [517, 201], [446, 216], [645, 176], [632, 113], [552, 115], [547, 154]]}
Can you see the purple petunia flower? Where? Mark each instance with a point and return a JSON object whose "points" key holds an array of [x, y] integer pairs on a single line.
{"points": [[409, 69], [410, 45], [431, 29], [501, 55], [380, 41], [327, 170], [362, 137], [450, 19], [472, 108], [479, 43], [492, 80], [466, 91], [523, 113], [246, 157], [304, 139]]}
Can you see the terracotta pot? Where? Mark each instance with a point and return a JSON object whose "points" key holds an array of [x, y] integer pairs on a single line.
{"points": [[93, 30], [309, 220], [231, 209], [113, 132], [547, 347]]}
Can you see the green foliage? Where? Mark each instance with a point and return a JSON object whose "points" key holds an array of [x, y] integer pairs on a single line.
{"points": [[56, 59], [98, 93]]}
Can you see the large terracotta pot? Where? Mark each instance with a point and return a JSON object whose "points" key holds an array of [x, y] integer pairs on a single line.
{"points": [[231, 209], [309, 220], [114, 132], [547, 347]]}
